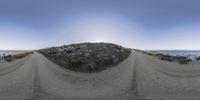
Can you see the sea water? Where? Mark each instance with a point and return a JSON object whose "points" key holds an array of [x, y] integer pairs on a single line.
{"points": [[193, 53], [6, 51]]}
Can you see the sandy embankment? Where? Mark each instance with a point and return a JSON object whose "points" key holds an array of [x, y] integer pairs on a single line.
{"points": [[161, 79]]}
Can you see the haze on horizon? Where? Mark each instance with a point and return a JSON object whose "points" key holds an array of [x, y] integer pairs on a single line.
{"points": [[141, 24]]}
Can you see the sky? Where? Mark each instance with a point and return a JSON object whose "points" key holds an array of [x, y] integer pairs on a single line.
{"points": [[140, 24]]}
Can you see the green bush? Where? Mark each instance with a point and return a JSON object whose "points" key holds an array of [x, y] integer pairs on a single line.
{"points": [[197, 58], [184, 61], [73, 62], [166, 58], [8, 58]]}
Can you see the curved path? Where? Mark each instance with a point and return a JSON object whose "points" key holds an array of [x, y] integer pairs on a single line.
{"points": [[35, 77], [158, 79], [17, 80]]}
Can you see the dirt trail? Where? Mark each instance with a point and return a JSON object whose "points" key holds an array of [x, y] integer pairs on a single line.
{"points": [[17, 81], [35, 77], [64, 83], [139, 76], [165, 80]]}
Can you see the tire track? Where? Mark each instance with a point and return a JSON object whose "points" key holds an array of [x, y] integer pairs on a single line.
{"points": [[38, 92], [36, 84]]}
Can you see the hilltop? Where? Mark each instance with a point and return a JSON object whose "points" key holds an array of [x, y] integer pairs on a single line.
{"points": [[87, 57]]}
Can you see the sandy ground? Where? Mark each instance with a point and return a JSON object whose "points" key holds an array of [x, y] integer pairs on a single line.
{"points": [[158, 79], [138, 77], [17, 80], [35, 77]]}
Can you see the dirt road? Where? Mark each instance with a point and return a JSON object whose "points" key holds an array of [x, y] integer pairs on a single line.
{"points": [[35, 77], [158, 79], [139, 76]]}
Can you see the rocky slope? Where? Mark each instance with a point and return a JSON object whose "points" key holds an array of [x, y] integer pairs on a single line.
{"points": [[87, 57]]}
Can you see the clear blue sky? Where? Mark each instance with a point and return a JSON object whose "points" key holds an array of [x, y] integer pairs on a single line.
{"points": [[142, 24]]}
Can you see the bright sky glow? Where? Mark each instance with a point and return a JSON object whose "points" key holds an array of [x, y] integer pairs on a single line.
{"points": [[141, 24]]}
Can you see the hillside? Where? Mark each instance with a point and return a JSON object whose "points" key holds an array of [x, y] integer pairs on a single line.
{"points": [[87, 57]]}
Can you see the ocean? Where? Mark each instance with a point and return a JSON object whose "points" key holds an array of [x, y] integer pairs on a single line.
{"points": [[8, 51], [193, 53]]}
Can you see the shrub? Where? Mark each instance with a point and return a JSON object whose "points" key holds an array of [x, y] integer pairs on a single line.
{"points": [[184, 61], [166, 57], [72, 62], [197, 58], [8, 58], [75, 62]]}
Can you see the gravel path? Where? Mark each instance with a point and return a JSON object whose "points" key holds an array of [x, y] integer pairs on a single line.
{"points": [[158, 79], [35, 77]]}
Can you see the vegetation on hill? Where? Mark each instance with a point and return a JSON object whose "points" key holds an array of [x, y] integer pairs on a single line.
{"points": [[87, 57]]}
